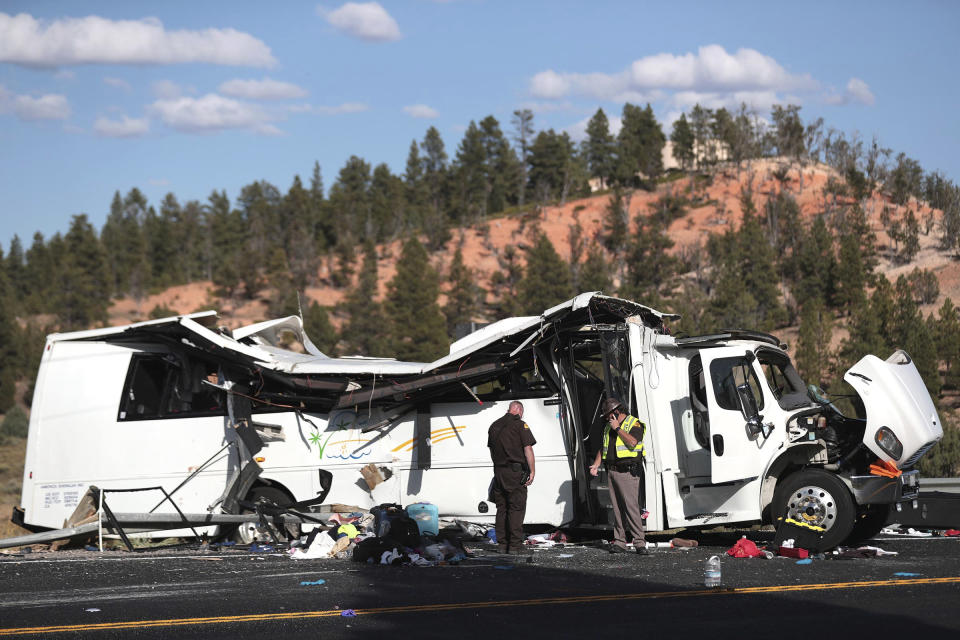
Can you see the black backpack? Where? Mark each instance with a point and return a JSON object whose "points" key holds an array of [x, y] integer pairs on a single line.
{"points": [[372, 548], [405, 530]]}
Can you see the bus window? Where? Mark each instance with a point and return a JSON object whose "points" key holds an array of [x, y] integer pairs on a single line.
{"points": [[157, 387]]}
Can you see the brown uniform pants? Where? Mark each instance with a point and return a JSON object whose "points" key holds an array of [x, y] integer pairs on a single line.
{"points": [[510, 496], [626, 496]]}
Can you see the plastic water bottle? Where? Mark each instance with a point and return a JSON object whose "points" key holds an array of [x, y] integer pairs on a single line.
{"points": [[711, 572]]}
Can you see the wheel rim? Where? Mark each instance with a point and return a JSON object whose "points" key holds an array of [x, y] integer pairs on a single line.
{"points": [[814, 506]]}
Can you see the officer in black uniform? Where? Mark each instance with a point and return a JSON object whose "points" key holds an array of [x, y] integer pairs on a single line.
{"points": [[511, 449]]}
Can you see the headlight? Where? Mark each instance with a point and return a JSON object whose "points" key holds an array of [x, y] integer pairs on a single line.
{"points": [[889, 442]]}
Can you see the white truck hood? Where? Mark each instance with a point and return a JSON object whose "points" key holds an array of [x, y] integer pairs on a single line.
{"points": [[895, 397]]}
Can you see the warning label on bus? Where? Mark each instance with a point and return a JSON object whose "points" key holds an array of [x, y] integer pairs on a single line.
{"points": [[62, 495]]}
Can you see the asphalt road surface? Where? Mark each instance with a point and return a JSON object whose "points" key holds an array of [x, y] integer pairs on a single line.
{"points": [[564, 592]]}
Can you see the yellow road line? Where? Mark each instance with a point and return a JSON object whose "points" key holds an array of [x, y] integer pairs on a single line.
{"points": [[301, 615]]}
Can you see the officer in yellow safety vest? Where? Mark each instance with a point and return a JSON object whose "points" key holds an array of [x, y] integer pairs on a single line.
{"points": [[623, 458]]}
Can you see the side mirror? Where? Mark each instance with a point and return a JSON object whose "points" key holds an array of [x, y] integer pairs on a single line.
{"points": [[748, 407]]}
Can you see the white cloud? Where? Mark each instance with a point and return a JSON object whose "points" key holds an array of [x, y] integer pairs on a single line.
{"points": [[549, 107], [859, 91], [759, 100], [710, 69], [126, 127], [119, 83], [367, 21], [550, 85], [346, 107], [265, 89], [421, 111], [47, 107], [166, 89], [95, 40], [210, 113]]}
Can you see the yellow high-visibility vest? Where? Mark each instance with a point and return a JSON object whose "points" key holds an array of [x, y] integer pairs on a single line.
{"points": [[623, 451]]}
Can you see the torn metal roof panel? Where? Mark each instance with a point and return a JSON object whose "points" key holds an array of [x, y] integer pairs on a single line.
{"points": [[201, 318]]}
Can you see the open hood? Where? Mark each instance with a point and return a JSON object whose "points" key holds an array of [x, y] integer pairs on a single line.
{"points": [[902, 422]]}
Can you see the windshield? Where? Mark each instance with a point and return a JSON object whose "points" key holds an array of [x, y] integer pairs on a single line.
{"points": [[785, 383]]}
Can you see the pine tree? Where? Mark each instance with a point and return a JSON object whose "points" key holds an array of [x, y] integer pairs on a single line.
{"points": [[415, 194], [163, 254], [82, 296], [615, 223], [349, 201], [283, 301], [435, 177], [504, 284], [16, 268], [815, 264], [813, 344], [552, 164], [226, 239], [759, 267], [682, 139], [851, 277], [317, 325], [125, 245], [40, 275], [651, 271], [366, 331], [600, 148], [870, 326], [418, 326], [912, 333], [594, 274], [463, 294], [523, 136], [470, 171], [296, 213], [387, 204], [546, 280], [8, 341], [640, 146], [948, 342], [324, 231]]}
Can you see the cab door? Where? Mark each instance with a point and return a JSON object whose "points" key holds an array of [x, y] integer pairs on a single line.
{"points": [[734, 445]]}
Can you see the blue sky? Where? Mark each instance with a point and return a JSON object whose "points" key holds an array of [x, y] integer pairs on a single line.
{"points": [[188, 97]]}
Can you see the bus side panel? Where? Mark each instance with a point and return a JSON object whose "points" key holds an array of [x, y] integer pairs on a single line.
{"points": [[460, 473], [74, 418]]}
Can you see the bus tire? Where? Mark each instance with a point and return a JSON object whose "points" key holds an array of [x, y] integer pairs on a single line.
{"points": [[817, 498], [250, 532]]}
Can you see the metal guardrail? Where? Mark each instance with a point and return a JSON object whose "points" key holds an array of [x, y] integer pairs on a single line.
{"points": [[947, 485]]}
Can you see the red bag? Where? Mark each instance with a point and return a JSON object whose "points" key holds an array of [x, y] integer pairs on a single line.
{"points": [[744, 549], [793, 552]]}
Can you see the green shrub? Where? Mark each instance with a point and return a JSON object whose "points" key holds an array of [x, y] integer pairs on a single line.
{"points": [[15, 424]]}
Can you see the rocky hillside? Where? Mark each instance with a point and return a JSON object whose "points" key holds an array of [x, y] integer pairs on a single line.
{"points": [[715, 207]]}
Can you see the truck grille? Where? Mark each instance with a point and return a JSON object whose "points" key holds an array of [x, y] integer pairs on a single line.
{"points": [[919, 454]]}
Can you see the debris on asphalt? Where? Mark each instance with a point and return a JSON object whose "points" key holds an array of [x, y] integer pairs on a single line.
{"points": [[348, 613], [308, 583], [906, 574], [744, 548]]}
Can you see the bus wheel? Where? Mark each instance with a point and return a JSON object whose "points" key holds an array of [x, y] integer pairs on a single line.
{"points": [[820, 499], [250, 532]]}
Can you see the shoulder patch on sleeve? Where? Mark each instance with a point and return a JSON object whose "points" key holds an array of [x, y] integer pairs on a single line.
{"points": [[526, 426]]}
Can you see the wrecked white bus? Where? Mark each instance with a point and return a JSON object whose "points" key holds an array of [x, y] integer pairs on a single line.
{"points": [[224, 419]]}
